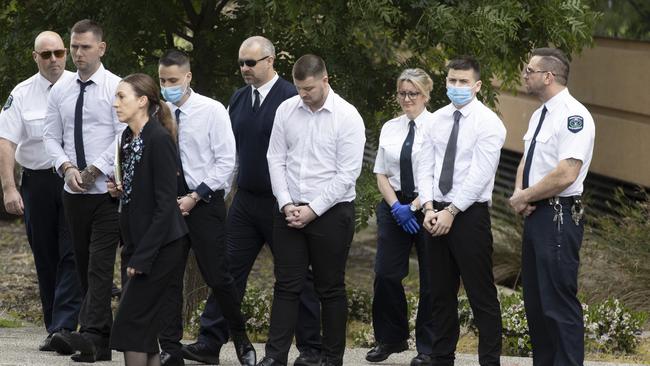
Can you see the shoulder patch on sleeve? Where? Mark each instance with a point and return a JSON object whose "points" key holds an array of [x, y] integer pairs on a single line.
{"points": [[575, 123], [8, 103]]}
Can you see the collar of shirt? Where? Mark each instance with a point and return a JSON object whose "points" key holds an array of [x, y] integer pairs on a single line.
{"points": [[557, 100], [43, 83], [328, 105], [264, 89], [97, 77], [185, 106], [465, 110]]}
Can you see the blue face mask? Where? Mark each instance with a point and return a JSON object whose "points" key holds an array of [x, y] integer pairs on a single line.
{"points": [[459, 95], [173, 94]]}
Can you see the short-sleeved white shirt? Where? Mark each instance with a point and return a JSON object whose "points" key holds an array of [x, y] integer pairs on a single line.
{"points": [[568, 132], [391, 139], [23, 117]]}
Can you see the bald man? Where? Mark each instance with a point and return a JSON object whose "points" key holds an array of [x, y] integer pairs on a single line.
{"points": [[39, 197]]}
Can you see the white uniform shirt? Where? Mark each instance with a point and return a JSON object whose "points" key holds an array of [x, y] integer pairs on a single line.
{"points": [[206, 143], [391, 139], [568, 132], [316, 157], [263, 90], [100, 124], [24, 117], [481, 135]]}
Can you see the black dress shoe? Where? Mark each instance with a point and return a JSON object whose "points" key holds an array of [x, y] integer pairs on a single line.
{"points": [[309, 357], [89, 348], [167, 359], [421, 359], [61, 342], [45, 345], [382, 350], [201, 352], [244, 349], [268, 361]]}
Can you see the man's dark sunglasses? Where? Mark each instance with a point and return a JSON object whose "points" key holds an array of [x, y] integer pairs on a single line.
{"points": [[47, 54], [251, 63]]}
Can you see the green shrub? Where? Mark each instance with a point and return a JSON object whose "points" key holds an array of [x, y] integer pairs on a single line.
{"points": [[359, 305], [611, 327], [516, 341]]}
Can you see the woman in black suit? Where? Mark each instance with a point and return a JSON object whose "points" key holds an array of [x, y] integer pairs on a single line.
{"points": [[152, 227]]}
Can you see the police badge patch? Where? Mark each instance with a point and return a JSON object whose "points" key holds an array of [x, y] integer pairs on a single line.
{"points": [[8, 103], [575, 124]]}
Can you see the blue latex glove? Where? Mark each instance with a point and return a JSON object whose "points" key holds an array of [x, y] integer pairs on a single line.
{"points": [[405, 217], [411, 226], [401, 213]]}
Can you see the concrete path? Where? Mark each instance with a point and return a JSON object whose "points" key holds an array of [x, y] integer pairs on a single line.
{"points": [[18, 347]]}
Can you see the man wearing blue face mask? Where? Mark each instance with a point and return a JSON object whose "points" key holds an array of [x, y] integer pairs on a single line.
{"points": [[206, 160], [455, 179]]}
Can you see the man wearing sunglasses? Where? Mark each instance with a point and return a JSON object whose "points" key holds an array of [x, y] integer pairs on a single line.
{"points": [[250, 217], [39, 199]]}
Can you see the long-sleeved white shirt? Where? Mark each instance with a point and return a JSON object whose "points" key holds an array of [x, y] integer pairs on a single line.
{"points": [[481, 135], [100, 124], [316, 157], [206, 144]]}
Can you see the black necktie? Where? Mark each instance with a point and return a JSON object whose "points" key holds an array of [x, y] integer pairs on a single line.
{"points": [[256, 102], [405, 165], [181, 184], [531, 150], [78, 125], [447, 172]]}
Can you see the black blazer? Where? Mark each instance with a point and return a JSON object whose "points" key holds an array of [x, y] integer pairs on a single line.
{"points": [[154, 219]]}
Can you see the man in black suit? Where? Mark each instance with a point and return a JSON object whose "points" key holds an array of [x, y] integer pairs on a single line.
{"points": [[250, 218]]}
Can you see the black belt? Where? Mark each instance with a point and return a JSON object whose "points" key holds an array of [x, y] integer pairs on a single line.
{"points": [[563, 200], [31, 172]]}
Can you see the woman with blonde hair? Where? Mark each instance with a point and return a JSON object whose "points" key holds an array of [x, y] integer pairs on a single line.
{"points": [[399, 223]]}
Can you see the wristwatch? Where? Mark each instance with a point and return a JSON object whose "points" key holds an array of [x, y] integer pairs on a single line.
{"points": [[453, 210], [413, 208]]}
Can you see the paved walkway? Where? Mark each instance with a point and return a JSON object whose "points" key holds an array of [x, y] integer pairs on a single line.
{"points": [[18, 347]]}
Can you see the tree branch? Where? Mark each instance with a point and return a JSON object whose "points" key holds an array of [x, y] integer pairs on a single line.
{"points": [[191, 14]]}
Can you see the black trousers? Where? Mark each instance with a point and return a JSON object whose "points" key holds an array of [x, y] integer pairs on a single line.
{"points": [[324, 244], [550, 261], [465, 252], [94, 226], [389, 308], [207, 239], [249, 226], [49, 239]]}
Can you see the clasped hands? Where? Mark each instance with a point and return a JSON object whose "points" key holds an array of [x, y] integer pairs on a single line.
{"points": [[298, 216], [405, 217], [519, 203], [80, 181]]}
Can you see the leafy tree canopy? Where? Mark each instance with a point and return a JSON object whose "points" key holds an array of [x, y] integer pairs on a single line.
{"points": [[365, 43]]}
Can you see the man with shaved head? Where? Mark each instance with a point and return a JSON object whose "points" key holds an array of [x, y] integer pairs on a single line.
{"points": [[250, 218], [39, 198]]}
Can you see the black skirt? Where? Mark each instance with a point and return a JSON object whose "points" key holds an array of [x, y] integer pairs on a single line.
{"points": [[144, 297]]}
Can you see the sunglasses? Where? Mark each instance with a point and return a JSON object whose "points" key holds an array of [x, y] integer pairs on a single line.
{"points": [[251, 63], [47, 54]]}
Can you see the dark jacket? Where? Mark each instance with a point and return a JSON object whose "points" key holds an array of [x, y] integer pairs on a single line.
{"points": [[154, 219]]}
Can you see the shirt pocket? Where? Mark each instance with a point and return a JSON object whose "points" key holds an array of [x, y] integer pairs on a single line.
{"points": [[34, 122]]}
